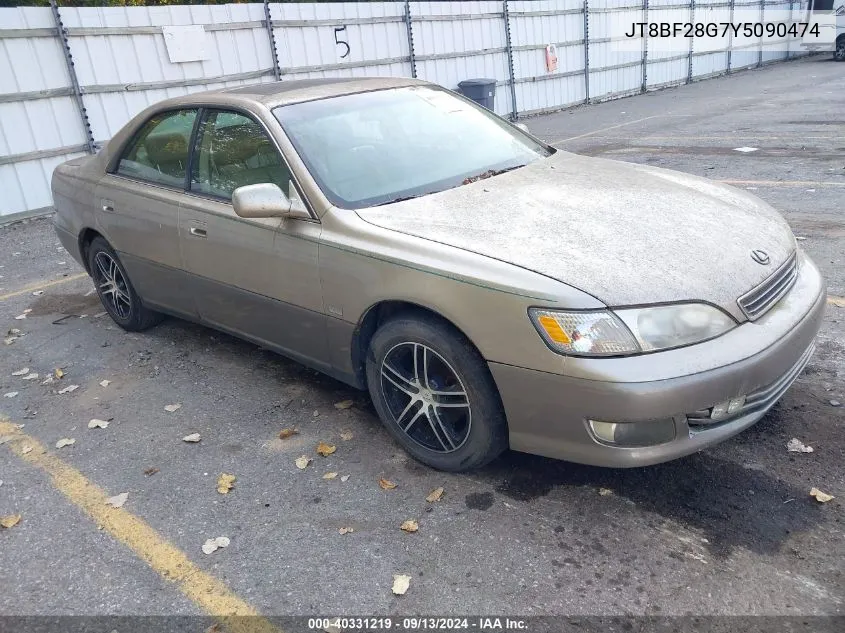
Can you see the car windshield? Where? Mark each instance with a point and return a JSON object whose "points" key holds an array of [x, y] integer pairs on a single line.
{"points": [[383, 146]]}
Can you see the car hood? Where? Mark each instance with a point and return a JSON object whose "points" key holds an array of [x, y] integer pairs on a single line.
{"points": [[627, 234]]}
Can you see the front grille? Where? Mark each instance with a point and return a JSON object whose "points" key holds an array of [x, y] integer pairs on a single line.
{"points": [[757, 302], [759, 400]]}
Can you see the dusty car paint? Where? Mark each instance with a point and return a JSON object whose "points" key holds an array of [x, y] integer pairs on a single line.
{"points": [[566, 232]]}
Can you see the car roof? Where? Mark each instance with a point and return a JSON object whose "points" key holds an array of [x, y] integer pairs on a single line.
{"points": [[275, 93]]}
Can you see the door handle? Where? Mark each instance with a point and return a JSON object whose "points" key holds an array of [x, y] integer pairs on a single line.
{"points": [[198, 232]]}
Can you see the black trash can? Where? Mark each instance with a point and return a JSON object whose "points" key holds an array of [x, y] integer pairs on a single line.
{"points": [[482, 91]]}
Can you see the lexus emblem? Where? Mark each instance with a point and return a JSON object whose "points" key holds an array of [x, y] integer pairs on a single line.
{"points": [[761, 257]]}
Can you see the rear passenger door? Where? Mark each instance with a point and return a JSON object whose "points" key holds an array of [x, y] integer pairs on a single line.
{"points": [[256, 278], [138, 205]]}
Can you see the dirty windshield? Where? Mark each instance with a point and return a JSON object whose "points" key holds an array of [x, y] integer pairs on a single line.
{"points": [[379, 147]]}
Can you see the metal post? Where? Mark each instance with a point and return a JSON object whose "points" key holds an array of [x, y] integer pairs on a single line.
{"points": [[514, 112], [409, 26], [730, 41], [644, 86], [762, 13], [587, 51], [71, 71], [791, 19], [691, 40], [268, 22]]}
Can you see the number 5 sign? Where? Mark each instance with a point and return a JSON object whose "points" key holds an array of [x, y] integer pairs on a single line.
{"points": [[341, 42]]}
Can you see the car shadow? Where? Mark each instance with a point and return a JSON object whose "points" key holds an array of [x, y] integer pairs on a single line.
{"points": [[730, 505]]}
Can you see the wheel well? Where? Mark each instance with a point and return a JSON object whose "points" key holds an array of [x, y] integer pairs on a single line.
{"points": [[85, 238], [373, 318]]}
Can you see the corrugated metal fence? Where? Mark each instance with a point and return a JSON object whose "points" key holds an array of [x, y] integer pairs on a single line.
{"points": [[71, 77]]}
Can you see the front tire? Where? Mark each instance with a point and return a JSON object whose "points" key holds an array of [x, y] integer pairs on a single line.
{"points": [[434, 394], [115, 290]]}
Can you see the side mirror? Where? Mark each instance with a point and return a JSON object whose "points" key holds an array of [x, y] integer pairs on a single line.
{"points": [[523, 127], [266, 200]]}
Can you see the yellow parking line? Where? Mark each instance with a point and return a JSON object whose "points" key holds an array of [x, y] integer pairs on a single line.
{"points": [[168, 561], [839, 302], [42, 285], [785, 183]]}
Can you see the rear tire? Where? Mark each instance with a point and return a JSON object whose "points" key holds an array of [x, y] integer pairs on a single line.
{"points": [[434, 393], [839, 53], [115, 290]]}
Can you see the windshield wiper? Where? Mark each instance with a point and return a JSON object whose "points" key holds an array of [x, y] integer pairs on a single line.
{"points": [[489, 174], [399, 199]]}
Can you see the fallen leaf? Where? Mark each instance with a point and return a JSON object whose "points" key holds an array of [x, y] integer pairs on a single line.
{"points": [[604, 492], [346, 435], [49, 379], [213, 544], [65, 442], [434, 495], [401, 582], [98, 424], [26, 450], [821, 497], [10, 521], [117, 501], [325, 449], [32, 376], [59, 373], [105, 383], [316, 414], [302, 462], [37, 293], [21, 372], [69, 389], [192, 438], [11, 394], [409, 526], [345, 530], [343, 404], [286, 433], [797, 446], [344, 478], [150, 471], [170, 408], [225, 482], [20, 317], [329, 475], [835, 403], [214, 628], [386, 484]]}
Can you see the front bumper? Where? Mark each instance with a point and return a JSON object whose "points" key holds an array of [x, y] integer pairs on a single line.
{"points": [[548, 413]]}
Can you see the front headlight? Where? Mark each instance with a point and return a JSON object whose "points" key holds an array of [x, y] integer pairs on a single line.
{"points": [[630, 330]]}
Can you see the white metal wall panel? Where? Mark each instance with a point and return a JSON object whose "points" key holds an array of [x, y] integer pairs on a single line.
{"points": [[127, 59], [710, 56], [534, 25], [469, 47], [28, 65], [311, 44], [666, 68], [614, 69]]}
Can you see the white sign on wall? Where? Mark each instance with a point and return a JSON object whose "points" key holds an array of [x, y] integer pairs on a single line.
{"points": [[186, 43]]}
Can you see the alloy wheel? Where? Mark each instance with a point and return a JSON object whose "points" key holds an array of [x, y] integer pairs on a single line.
{"points": [[425, 397], [112, 285]]}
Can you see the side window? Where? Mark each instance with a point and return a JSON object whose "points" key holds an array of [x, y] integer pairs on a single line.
{"points": [[233, 151], [159, 151]]}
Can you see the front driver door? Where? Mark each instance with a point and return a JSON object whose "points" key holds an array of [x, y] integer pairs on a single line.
{"points": [[256, 278]]}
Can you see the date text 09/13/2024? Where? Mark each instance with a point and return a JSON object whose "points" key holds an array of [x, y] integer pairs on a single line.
{"points": [[418, 623]]}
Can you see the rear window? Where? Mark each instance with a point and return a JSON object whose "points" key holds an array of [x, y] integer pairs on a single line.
{"points": [[159, 151]]}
